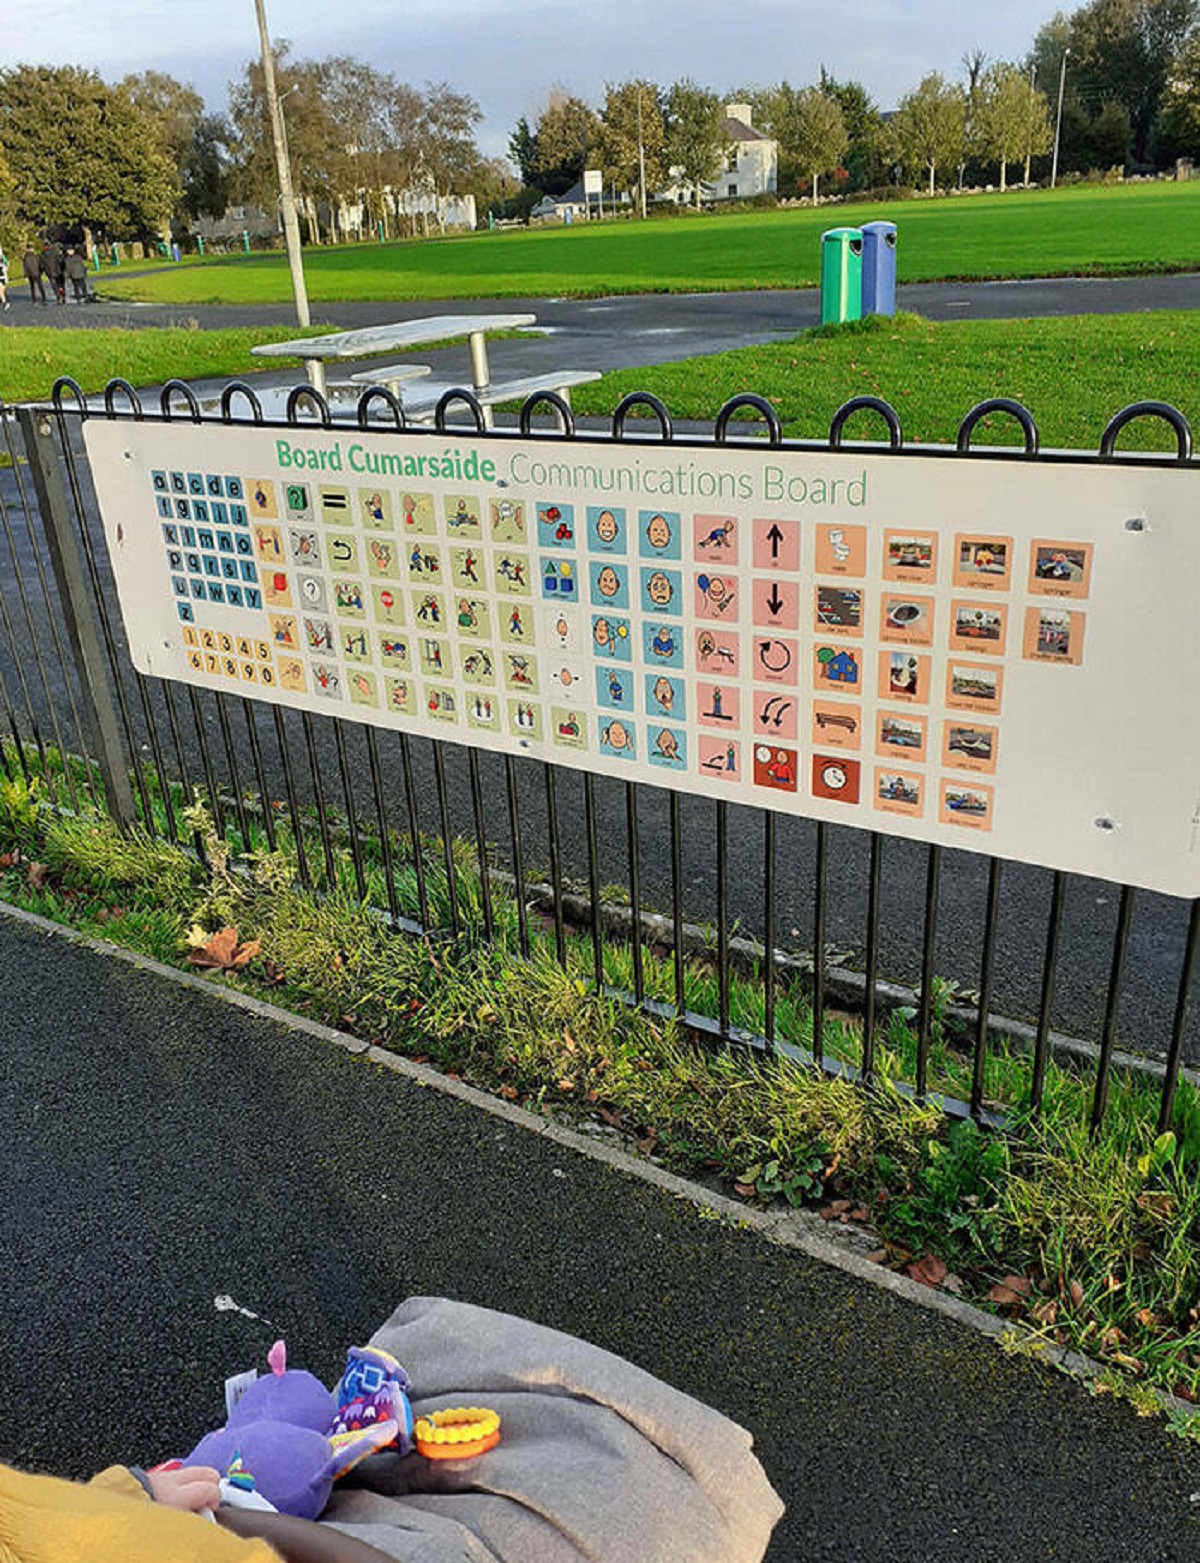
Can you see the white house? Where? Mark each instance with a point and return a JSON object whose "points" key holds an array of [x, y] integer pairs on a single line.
{"points": [[751, 163]]}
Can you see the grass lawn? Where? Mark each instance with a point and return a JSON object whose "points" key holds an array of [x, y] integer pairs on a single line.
{"points": [[1072, 374], [35, 356], [1085, 229]]}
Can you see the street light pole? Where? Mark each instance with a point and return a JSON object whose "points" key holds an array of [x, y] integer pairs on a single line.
{"points": [[1062, 78], [287, 196], [641, 153]]}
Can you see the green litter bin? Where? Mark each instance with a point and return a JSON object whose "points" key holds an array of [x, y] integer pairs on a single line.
{"points": [[841, 275]]}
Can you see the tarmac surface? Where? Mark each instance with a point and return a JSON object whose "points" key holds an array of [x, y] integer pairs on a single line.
{"points": [[163, 1150]]}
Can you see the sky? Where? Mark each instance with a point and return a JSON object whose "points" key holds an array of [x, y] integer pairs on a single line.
{"points": [[508, 53]]}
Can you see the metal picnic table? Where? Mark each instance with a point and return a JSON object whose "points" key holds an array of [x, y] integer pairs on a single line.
{"points": [[370, 340]]}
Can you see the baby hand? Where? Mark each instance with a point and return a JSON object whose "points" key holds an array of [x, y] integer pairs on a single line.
{"points": [[188, 1487]]}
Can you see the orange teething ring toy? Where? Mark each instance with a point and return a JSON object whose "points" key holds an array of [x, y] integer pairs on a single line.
{"points": [[458, 1434]]}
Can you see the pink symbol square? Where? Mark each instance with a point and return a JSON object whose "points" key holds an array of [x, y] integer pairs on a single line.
{"points": [[720, 757], [774, 714], [716, 539], [718, 705], [776, 545], [776, 604], [716, 597]]}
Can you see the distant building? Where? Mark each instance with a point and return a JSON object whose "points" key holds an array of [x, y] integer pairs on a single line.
{"points": [[751, 164], [571, 206]]}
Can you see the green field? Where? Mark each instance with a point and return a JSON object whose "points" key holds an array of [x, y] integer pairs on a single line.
{"points": [[1073, 374], [1082, 230]]}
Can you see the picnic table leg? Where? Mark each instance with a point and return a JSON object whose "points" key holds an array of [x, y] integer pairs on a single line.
{"points": [[316, 374], [480, 376]]}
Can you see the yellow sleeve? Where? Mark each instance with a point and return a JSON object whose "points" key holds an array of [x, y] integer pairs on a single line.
{"points": [[109, 1520]]}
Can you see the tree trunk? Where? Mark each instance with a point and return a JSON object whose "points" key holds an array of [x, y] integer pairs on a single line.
{"points": [[816, 197], [932, 172], [1003, 174], [1028, 160]]}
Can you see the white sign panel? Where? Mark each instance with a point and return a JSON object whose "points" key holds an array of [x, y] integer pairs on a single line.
{"points": [[593, 181], [984, 653]]}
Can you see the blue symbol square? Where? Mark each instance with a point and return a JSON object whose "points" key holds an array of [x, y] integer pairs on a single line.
{"points": [[253, 597], [159, 479], [165, 508], [187, 536], [237, 514], [193, 563], [216, 592], [170, 536], [178, 483], [195, 483], [181, 509], [219, 511], [199, 510], [233, 487], [206, 538], [242, 543], [198, 590], [174, 559], [184, 610], [179, 585], [556, 526], [211, 567], [233, 596], [229, 569], [606, 530], [213, 485], [666, 697], [225, 542], [662, 643], [559, 580], [614, 688], [617, 740], [609, 583], [659, 534], [662, 590], [611, 638], [667, 746], [249, 573]]}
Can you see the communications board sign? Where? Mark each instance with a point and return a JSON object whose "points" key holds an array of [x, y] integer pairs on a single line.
{"points": [[984, 653]]}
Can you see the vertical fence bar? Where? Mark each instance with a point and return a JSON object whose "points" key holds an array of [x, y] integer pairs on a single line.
{"points": [[635, 890], [289, 787], [722, 864], [819, 872], [481, 846], [314, 767], [103, 700], [933, 867], [260, 776], [872, 973], [356, 856], [556, 886], [185, 778], [215, 807], [1166, 1105], [34, 726], [235, 780], [439, 771], [987, 966], [1112, 1006], [414, 831], [1041, 1046], [769, 926], [593, 857], [677, 902], [385, 834], [514, 825]]}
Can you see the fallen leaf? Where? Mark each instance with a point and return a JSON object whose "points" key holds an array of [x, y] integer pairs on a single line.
{"points": [[1147, 1318], [1076, 1294], [244, 954], [566, 1085], [1045, 1312], [1011, 1290], [36, 875], [878, 1256], [509, 1093], [746, 1190], [9, 859], [927, 1271], [953, 1283]]}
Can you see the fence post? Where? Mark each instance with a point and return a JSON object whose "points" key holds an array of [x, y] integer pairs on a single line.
{"points": [[79, 611]]}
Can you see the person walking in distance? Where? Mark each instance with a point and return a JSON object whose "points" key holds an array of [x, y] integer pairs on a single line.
{"points": [[52, 258], [3, 279], [76, 269], [31, 265]]}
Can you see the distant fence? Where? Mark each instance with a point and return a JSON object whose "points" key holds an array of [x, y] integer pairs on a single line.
{"points": [[1038, 963]]}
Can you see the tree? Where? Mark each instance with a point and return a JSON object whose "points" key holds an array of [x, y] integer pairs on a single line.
{"points": [[1177, 133], [307, 125], [82, 155], [633, 133], [811, 131], [522, 148], [205, 171], [449, 157], [1012, 119], [567, 130], [928, 130], [863, 158], [696, 140]]}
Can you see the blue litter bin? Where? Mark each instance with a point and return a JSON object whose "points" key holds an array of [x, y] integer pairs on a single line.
{"points": [[879, 269]]}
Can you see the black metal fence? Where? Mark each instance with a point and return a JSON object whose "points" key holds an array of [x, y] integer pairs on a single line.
{"points": [[710, 910]]}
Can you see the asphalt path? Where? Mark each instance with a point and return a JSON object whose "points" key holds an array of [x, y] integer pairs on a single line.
{"points": [[623, 332], [162, 1149]]}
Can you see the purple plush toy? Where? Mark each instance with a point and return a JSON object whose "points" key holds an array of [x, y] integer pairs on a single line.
{"points": [[277, 1439]]}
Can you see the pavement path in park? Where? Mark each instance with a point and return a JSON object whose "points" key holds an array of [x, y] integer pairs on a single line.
{"points": [[163, 1149]]}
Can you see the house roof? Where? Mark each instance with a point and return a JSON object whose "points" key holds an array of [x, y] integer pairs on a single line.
{"points": [[738, 130]]}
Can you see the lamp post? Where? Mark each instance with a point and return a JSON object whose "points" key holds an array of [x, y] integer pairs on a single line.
{"points": [[641, 154], [287, 196], [1062, 79]]}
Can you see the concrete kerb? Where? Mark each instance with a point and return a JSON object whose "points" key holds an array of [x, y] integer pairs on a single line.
{"points": [[798, 1229]]}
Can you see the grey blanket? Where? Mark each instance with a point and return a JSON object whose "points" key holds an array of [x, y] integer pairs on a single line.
{"points": [[597, 1460]]}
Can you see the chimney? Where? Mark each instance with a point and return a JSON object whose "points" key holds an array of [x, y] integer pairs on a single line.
{"points": [[742, 112]]}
